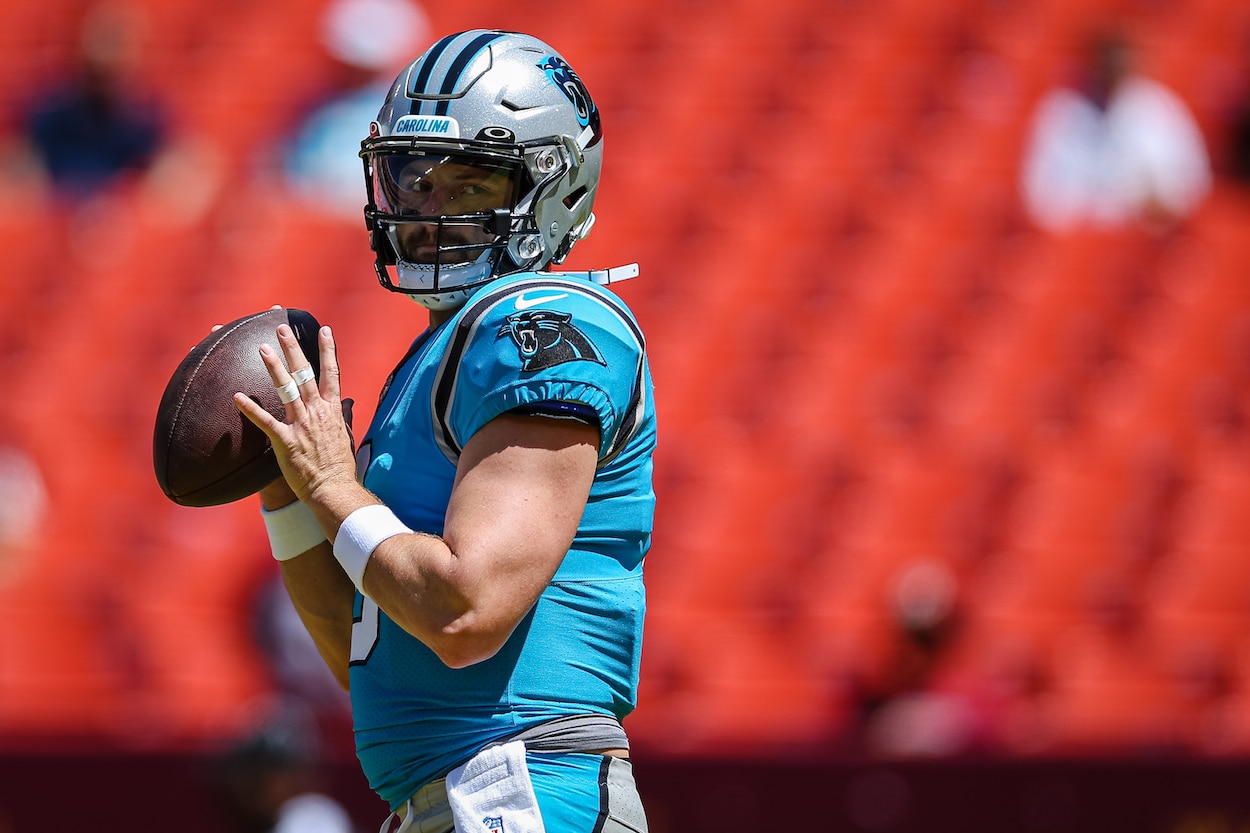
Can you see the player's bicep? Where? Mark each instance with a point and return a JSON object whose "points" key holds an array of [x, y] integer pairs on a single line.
{"points": [[521, 487]]}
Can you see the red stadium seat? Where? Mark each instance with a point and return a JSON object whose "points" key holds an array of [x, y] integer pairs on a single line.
{"points": [[845, 304]]}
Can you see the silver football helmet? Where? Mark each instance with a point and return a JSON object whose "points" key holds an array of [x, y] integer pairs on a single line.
{"points": [[484, 160]]}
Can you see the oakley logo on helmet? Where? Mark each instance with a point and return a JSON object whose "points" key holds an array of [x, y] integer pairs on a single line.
{"points": [[496, 134], [566, 79], [428, 126]]}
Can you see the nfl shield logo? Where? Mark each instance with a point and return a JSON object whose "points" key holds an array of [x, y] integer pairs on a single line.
{"points": [[494, 824]]}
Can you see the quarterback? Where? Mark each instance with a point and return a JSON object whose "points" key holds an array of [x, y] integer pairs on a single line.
{"points": [[472, 570]]}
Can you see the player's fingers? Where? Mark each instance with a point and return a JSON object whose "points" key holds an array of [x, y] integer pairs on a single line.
{"points": [[263, 420], [301, 369], [329, 364], [288, 389]]}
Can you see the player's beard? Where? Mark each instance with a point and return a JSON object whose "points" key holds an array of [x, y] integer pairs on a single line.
{"points": [[428, 243]]}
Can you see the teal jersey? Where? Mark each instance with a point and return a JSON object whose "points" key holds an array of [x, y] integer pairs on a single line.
{"points": [[521, 340]]}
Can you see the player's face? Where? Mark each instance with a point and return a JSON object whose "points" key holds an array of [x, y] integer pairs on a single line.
{"points": [[436, 186]]}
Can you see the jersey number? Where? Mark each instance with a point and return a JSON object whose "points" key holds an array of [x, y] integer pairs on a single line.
{"points": [[364, 632]]}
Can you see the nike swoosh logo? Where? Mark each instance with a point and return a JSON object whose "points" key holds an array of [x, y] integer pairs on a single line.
{"points": [[526, 303]]}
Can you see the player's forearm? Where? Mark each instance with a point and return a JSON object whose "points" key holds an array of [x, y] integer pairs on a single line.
{"points": [[414, 578], [437, 598], [323, 597], [461, 602]]}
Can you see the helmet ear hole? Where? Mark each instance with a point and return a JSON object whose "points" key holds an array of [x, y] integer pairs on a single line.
{"points": [[573, 198], [576, 233]]}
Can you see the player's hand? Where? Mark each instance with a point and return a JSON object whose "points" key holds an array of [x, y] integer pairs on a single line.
{"points": [[314, 445], [279, 493]]}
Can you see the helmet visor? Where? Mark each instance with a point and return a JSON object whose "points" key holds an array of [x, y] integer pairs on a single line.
{"points": [[445, 207]]}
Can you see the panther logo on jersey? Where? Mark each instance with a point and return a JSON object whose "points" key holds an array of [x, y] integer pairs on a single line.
{"points": [[545, 338]]}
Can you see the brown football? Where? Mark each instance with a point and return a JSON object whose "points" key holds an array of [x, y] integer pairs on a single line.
{"points": [[205, 451]]}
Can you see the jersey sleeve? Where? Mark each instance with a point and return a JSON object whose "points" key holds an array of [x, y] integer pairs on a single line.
{"points": [[541, 339]]}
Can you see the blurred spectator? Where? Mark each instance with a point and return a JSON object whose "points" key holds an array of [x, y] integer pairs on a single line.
{"points": [[23, 507], [1239, 144], [1232, 106], [266, 780], [95, 126], [1114, 149], [1236, 151], [99, 135], [368, 42], [910, 712]]}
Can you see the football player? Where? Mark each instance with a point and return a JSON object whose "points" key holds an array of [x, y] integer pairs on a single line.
{"points": [[472, 573]]}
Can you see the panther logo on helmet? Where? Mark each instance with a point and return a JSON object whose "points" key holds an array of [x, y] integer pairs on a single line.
{"points": [[566, 79]]}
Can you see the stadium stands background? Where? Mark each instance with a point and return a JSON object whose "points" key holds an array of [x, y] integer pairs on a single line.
{"points": [[948, 506]]}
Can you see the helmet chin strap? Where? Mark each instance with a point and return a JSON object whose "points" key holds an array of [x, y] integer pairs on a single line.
{"points": [[603, 277], [457, 297], [418, 282], [442, 301]]}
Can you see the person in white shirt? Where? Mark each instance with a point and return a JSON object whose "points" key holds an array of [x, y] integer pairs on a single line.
{"points": [[1117, 149]]}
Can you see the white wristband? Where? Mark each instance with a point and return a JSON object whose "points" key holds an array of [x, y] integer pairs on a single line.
{"points": [[292, 530], [360, 535]]}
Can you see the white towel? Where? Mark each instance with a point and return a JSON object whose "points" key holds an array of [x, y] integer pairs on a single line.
{"points": [[492, 793]]}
